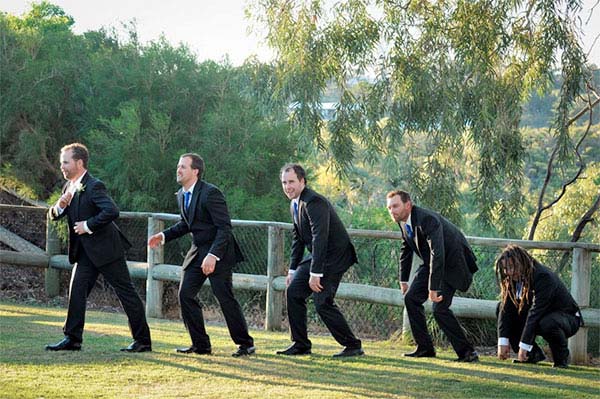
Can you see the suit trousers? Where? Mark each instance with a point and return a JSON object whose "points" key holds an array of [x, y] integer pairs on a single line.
{"points": [[417, 294], [297, 294], [192, 279], [83, 279], [555, 327]]}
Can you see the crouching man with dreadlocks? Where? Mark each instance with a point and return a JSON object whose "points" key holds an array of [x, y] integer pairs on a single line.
{"points": [[533, 302]]}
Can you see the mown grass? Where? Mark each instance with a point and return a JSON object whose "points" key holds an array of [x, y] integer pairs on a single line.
{"points": [[101, 371]]}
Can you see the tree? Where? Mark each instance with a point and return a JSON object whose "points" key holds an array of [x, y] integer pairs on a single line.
{"points": [[41, 63], [137, 108], [451, 73]]}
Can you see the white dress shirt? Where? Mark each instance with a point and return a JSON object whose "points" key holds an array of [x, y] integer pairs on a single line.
{"points": [[72, 188]]}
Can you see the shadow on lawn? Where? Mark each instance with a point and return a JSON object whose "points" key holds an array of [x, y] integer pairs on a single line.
{"points": [[370, 376]]}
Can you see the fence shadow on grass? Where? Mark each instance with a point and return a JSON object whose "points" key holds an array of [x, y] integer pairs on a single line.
{"points": [[383, 372]]}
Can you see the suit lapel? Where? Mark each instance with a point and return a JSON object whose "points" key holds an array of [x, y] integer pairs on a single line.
{"points": [[414, 222], [301, 205], [182, 205], [194, 201], [77, 195]]}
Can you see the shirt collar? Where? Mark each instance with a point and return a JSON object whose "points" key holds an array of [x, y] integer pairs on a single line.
{"points": [[408, 221], [191, 189], [73, 186]]}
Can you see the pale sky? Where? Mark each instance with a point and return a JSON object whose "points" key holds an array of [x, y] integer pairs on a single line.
{"points": [[211, 28]]}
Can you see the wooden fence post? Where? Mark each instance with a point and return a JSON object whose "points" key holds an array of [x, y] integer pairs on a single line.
{"points": [[51, 275], [275, 268], [154, 288], [580, 290]]}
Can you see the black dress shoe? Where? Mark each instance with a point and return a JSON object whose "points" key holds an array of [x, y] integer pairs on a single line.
{"points": [[348, 352], [534, 357], [244, 351], [295, 351], [469, 357], [67, 344], [193, 349], [421, 353], [561, 365], [137, 346]]}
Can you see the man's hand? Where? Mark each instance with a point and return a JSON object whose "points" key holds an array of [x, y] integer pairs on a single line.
{"points": [[315, 284], [523, 355], [434, 297], [155, 240], [288, 279], [79, 228], [503, 352], [64, 200], [208, 264], [404, 288]]}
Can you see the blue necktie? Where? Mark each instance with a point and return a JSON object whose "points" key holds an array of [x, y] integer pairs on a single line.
{"points": [[295, 211], [186, 199], [409, 231]]}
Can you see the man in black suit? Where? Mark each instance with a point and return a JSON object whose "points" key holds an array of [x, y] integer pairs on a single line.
{"points": [[317, 228], [533, 302], [448, 265], [213, 254], [96, 246]]}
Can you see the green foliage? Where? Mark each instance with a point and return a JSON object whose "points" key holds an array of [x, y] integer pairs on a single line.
{"points": [[137, 108], [564, 216], [450, 74], [8, 180]]}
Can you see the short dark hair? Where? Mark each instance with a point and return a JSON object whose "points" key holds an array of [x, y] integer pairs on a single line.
{"points": [[404, 196], [197, 162], [79, 152], [299, 170]]}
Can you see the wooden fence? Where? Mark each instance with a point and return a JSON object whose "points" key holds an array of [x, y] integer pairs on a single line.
{"points": [[156, 272]]}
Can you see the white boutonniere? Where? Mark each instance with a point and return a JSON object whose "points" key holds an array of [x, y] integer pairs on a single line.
{"points": [[79, 187]]}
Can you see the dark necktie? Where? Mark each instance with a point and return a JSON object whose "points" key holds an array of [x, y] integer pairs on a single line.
{"points": [[409, 231], [295, 211], [186, 198]]}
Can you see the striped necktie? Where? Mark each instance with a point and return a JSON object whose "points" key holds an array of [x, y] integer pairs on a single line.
{"points": [[186, 198], [409, 231], [295, 211]]}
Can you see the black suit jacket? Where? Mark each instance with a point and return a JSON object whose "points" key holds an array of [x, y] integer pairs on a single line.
{"points": [[546, 294], [320, 230], [442, 247], [92, 204], [209, 223]]}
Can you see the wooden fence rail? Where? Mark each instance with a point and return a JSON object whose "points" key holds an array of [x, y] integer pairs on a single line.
{"points": [[155, 272]]}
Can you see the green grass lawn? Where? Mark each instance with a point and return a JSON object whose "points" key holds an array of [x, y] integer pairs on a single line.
{"points": [[101, 371]]}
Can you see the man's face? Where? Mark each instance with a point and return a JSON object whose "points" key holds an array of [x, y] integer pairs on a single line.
{"points": [[185, 174], [70, 168], [510, 270], [292, 187], [398, 210]]}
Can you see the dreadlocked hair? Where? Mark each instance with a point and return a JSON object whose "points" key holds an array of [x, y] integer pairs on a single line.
{"points": [[524, 265]]}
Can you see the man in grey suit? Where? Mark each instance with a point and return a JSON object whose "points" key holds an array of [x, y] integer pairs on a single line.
{"points": [[317, 228], [448, 265]]}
